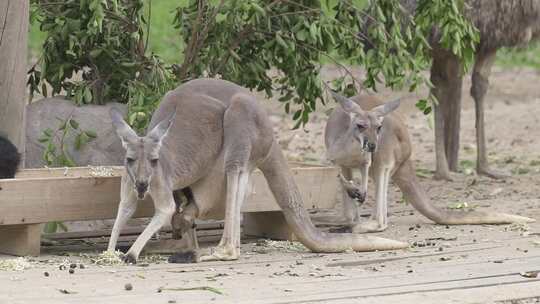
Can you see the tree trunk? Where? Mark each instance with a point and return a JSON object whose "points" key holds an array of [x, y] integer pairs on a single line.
{"points": [[13, 52]]}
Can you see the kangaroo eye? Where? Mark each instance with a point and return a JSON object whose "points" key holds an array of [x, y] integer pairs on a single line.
{"points": [[379, 128], [130, 160], [153, 162], [360, 127]]}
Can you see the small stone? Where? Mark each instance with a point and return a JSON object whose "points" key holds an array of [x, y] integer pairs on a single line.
{"points": [[73, 266], [71, 271], [410, 271], [498, 261], [128, 286], [445, 258], [81, 266], [46, 274], [441, 249], [171, 301], [418, 226], [62, 267]]}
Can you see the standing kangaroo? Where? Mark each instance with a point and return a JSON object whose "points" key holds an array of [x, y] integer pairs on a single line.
{"points": [[209, 135], [364, 134]]}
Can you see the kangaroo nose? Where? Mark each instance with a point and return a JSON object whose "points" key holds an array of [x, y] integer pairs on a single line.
{"points": [[142, 187], [371, 147]]}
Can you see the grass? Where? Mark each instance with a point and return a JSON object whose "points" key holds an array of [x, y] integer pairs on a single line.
{"points": [[166, 42], [520, 57]]}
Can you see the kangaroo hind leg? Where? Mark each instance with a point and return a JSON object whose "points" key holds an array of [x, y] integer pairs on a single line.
{"points": [[247, 139]]}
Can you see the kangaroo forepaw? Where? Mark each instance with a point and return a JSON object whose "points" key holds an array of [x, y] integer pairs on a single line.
{"points": [[129, 259], [354, 190]]}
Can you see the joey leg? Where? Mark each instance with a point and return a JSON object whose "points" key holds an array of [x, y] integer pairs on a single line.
{"points": [[183, 225]]}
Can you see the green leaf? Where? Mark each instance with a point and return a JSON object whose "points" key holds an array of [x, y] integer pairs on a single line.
{"points": [[74, 124], [90, 133]]}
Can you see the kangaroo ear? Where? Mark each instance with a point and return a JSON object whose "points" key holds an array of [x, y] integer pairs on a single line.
{"points": [[159, 132], [386, 108], [123, 130], [346, 104]]}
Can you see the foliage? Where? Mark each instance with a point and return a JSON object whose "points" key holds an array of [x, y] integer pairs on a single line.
{"points": [[95, 52], [55, 142], [244, 41], [56, 154], [270, 46]]}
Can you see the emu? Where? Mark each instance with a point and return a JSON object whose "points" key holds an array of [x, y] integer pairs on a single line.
{"points": [[506, 23]]}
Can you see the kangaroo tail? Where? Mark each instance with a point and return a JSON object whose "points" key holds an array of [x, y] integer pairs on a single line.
{"points": [[405, 178], [287, 195]]}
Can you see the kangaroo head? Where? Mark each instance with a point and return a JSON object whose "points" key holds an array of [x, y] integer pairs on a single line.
{"points": [[142, 153], [365, 126]]}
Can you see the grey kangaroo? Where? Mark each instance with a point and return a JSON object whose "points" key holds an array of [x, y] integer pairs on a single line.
{"points": [[209, 135], [364, 134]]}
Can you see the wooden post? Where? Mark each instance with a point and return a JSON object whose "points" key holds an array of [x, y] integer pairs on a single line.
{"points": [[22, 240], [13, 52]]}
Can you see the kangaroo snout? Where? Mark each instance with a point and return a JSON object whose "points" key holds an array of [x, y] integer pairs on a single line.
{"points": [[142, 188], [371, 147]]}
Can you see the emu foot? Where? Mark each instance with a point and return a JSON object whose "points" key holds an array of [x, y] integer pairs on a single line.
{"points": [[182, 257], [486, 171], [222, 253], [368, 227]]}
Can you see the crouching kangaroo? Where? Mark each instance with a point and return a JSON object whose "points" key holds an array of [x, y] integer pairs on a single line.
{"points": [[364, 134], [209, 135]]}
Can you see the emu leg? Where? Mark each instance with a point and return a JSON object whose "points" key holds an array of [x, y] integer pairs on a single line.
{"points": [[480, 83], [452, 111], [439, 78]]}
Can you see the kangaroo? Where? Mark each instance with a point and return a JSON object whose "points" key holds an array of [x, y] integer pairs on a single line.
{"points": [[209, 135], [363, 133]]}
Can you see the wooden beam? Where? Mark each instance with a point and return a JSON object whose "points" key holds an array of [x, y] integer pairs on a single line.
{"points": [[22, 240], [268, 225], [44, 195]]}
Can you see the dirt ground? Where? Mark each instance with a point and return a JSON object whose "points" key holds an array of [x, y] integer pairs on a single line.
{"points": [[458, 264]]}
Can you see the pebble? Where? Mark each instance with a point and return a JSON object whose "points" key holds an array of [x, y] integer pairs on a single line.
{"points": [[128, 286]]}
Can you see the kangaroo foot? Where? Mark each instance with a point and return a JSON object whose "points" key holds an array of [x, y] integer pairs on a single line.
{"points": [[486, 171], [221, 253], [368, 226]]}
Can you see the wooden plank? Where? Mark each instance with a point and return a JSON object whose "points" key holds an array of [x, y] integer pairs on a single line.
{"points": [[267, 224], [44, 195], [21, 240]]}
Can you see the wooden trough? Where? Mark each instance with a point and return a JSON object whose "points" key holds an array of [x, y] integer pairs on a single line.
{"points": [[37, 196]]}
